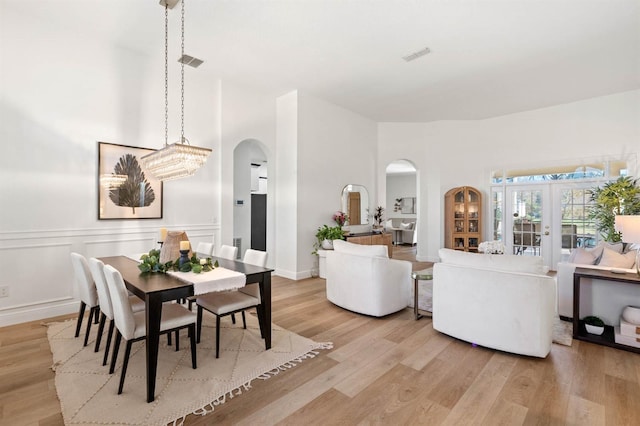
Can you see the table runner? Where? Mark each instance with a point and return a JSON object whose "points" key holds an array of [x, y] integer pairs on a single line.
{"points": [[220, 279]]}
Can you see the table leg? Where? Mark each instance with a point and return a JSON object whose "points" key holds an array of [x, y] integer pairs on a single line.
{"points": [[415, 300], [153, 316], [576, 305], [265, 312]]}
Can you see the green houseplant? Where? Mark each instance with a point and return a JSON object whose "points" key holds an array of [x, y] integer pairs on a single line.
{"points": [[593, 324], [621, 196], [328, 233]]}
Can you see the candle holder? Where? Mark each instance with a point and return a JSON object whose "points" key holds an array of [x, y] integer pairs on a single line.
{"points": [[184, 257]]}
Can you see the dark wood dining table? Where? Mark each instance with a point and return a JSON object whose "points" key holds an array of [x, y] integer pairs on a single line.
{"points": [[156, 288]]}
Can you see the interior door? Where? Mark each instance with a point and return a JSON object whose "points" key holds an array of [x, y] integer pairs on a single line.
{"points": [[528, 221], [354, 208]]}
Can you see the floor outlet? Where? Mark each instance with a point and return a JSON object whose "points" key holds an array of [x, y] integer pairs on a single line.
{"points": [[4, 291]]}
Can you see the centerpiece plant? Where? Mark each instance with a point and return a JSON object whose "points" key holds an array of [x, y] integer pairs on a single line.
{"points": [[150, 262]]}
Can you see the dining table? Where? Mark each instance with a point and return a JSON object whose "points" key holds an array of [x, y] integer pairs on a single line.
{"points": [[157, 288]]}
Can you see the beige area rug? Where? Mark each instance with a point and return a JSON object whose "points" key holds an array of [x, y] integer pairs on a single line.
{"points": [[562, 332], [88, 393]]}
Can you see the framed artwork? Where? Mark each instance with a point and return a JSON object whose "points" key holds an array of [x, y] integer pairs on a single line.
{"points": [[125, 191], [408, 205]]}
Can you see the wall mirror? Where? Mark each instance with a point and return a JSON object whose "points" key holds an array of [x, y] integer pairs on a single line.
{"points": [[355, 202]]}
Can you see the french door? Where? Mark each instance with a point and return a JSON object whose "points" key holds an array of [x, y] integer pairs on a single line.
{"points": [[547, 220], [527, 225]]}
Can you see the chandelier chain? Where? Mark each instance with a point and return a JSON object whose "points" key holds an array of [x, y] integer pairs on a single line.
{"points": [[166, 75], [182, 77]]}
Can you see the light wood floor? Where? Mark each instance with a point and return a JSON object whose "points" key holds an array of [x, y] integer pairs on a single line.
{"points": [[392, 370]]}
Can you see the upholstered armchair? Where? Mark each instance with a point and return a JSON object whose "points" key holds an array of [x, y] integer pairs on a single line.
{"points": [[363, 279]]}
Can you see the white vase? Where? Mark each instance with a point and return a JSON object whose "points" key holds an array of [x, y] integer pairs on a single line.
{"points": [[327, 244], [631, 314]]}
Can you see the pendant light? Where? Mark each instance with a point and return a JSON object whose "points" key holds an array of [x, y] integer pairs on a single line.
{"points": [[179, 159]]}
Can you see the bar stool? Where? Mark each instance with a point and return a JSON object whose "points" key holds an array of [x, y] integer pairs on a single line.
{"points": [[425, 275]]}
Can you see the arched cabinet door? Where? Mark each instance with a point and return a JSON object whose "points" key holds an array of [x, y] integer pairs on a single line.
{"points": [[463, 218]]}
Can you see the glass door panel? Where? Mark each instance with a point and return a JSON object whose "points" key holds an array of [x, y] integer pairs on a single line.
{"points": [[526, 221]]}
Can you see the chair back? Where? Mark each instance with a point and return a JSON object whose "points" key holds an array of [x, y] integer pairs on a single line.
{"points": [[122, 313], [205, 249], [255, 257], [86, 288], [258, 258], [228, 252], [97, 271]]}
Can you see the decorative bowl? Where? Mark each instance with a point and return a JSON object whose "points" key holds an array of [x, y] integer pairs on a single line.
{"points": [[631, 314], [594, 329]]}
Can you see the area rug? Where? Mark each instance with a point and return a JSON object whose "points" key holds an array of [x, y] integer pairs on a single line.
{"points": [[88, 393], [562, 332]]}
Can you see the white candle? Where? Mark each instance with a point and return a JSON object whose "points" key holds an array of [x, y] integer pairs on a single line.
{"points": [[184, 245], [163, 234]]}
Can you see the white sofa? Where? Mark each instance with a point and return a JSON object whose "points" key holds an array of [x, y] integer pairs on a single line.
{"points": [[605, 299], [362, 278], [503, 302]]}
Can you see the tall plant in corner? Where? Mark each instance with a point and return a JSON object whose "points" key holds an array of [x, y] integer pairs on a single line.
{"points": [[621, 196]]}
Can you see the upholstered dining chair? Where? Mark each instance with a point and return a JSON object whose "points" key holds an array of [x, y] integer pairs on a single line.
{"points": [[137, 305], [204, 249], [230, 302], [228, 252], [132, 327], [87, 292]]}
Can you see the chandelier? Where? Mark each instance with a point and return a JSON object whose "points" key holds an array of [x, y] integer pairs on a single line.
{"points": [[179, 159]]}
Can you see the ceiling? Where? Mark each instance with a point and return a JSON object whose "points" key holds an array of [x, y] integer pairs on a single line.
{"points": [[488, 57]]}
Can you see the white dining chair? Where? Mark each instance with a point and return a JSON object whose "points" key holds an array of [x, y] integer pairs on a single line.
{"points": [[204, 249], [228, 252], [137, 305], [231, 302], [87, 292], [132, 325]]}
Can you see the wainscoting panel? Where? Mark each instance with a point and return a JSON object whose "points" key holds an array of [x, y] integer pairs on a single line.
{"points": [[36, 268]]}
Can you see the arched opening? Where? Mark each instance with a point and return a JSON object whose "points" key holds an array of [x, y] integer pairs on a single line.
{"points": [[250, 196], [402, 202]]}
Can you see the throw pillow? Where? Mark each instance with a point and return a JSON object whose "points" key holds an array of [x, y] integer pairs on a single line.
{"points": [[613, 259], [406, 226], [582, 256]]}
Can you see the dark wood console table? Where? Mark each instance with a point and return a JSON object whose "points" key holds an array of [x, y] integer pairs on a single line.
{"points": [[579, 331]]}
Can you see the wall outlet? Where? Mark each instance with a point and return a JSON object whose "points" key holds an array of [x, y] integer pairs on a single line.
{"points": [[4, 291]]}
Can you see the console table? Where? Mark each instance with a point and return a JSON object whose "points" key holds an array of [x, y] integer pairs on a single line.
{"points": [[372, 238], [579, 331]]}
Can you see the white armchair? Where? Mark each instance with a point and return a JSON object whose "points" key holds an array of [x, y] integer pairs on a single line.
{"points": [[363, 279]]}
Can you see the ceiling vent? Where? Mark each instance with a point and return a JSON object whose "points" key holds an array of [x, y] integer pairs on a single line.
{"points": [[190, 60], [415, 55]]}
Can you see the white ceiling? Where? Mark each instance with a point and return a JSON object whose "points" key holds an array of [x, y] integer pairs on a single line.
{"points": [[489, 57]]}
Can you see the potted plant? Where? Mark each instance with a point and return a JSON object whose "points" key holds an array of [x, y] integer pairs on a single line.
{"points": [[378, 216], [594, 325], [325, 236], [621, 196]]}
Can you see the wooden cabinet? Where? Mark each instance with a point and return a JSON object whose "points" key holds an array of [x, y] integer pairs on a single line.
{"points": [[463, 218], [383, 239]]}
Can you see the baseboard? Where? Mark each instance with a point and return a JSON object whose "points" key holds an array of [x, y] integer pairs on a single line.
{"points": [[38, 312]]}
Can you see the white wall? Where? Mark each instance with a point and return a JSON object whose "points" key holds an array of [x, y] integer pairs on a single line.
{"points": [[334, 149], [61, 93], [456, 153]]}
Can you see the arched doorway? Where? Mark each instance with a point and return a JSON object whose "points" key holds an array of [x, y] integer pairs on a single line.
{"points": [[250, 196], [402, 201]]}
